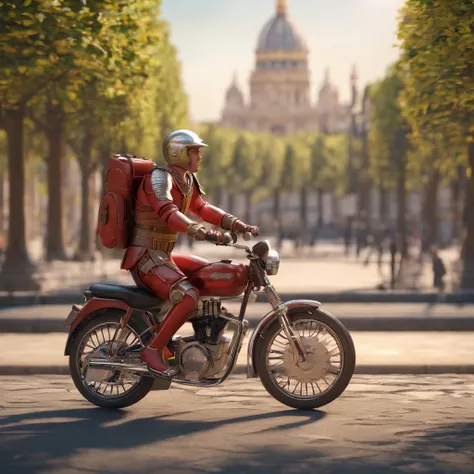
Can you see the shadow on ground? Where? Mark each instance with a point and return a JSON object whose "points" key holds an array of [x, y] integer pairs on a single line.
{"points": [[31, 442]]}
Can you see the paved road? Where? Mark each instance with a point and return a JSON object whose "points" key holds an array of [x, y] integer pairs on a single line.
{"points": [[389, 424]]}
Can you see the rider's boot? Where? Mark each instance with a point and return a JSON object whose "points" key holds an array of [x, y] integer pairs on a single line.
{"points": [[153, 353]]}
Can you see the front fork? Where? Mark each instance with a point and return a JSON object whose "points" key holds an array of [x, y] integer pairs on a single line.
{"points": [[281, 312]]}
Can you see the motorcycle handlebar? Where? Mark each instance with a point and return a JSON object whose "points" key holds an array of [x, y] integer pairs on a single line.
{"points": [[221, 238]]}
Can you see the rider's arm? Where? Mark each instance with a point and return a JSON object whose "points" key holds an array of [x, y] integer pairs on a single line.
{"points": [[158, 189], [209, 213]]}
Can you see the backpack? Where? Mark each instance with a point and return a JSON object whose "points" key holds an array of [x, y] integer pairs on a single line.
{"points": [[115, 219]]}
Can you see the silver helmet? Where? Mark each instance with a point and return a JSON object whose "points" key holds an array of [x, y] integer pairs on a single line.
{"points": [[176, 144]]}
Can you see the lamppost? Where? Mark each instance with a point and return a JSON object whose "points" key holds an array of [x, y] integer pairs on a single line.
{"points": [[352, 130], [364, 184]]}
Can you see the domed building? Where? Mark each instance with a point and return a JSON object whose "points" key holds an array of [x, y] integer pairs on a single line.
{"points": [[280, 100]]}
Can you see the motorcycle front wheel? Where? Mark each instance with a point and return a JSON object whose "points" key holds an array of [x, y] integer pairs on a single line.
{"points": [[327, 370], [108, 388]]}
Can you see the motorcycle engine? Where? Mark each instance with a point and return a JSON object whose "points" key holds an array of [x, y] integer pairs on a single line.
{"points": [[205, 354]]}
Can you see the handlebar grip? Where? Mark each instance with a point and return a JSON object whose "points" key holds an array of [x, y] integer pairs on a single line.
{"points": [[227, 238], [213, 237]]}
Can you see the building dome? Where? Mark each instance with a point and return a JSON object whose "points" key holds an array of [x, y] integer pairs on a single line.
{"points": [[280, 34], [234, 95]]}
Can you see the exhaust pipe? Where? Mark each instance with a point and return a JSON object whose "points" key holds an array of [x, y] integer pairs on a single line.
{"points": [[105, 364]]}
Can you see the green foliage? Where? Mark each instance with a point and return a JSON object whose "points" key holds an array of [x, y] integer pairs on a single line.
{"points": [[290, 175], [259, 162], [216, 158], [63, 44], [387, 142], [437, 40]]}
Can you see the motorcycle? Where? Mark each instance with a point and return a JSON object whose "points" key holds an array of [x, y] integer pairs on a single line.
{"points": [[303, 355]]}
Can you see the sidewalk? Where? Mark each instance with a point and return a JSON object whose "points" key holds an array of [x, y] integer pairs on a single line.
{"points": [[322, 274], [377, 353], [357, 317]]}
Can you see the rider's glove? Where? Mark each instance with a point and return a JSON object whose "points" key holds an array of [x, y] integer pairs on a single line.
{"points": [[219, 237], [241, 228]]}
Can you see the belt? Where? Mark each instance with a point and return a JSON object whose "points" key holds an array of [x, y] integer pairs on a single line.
{"points": [[166, 236], [153, 240]]}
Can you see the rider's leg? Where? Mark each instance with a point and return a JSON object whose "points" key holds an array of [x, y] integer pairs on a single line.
{"points": [[178, 315], [168, 283]]}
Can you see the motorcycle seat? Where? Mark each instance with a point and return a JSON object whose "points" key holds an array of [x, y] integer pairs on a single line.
{"points": [[132, 295]]}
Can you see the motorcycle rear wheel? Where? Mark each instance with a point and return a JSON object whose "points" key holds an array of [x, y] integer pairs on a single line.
{"points": [[131, 396], [286, 371]]}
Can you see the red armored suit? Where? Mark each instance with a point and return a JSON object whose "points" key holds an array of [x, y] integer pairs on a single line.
{"points": [[162, 201]]}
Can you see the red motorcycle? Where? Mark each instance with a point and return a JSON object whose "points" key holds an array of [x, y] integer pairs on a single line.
{"points": [[305, 357]]}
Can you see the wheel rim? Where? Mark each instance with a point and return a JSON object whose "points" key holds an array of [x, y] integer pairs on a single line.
{"points": [[317, 375], [106, 384]]}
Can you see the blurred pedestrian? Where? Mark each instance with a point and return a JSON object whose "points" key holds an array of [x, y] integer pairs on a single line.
{"points": [[314, 235], [439, 271], [393, 246], [348, 235], [279, 233], [361, 233]]}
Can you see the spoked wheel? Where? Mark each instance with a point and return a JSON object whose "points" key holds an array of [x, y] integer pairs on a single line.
{"points": [[102, 387], [316, 381]]}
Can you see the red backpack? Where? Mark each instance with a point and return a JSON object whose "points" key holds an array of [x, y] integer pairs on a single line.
{"points": [[124, 174]]}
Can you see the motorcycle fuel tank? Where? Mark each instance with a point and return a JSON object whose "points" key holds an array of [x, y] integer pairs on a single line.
{"points": [[221, 279]]}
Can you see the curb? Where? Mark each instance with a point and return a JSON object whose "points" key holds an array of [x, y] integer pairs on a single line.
{"points": [[365, 324], [75, 296], [242, 369], [376, 297]]}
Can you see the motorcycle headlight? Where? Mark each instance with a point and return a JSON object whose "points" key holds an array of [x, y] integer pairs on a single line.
{"points": [[272, 262]]}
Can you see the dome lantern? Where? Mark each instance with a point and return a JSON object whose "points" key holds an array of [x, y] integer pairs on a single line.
{"points": [[280, 34], [281, 7]]}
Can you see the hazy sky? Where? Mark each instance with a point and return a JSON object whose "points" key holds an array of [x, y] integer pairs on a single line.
{"points": [[217, 37]]}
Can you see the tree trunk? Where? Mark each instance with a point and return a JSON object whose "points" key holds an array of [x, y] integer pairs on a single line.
{"points": [[276, 204], [219, 196], [467, 279], [85, 248], [304, 207], [365, 189], [18, 270], [55, 249], [320, 208], [85, 162], [456, 205], [231, 203], [430, 210], [401, 200], [383, 208], [336, 211], [248, 207], [2, 201]]}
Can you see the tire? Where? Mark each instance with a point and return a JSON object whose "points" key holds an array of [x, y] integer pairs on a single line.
{"points": [[127, 399], [338, 386]]}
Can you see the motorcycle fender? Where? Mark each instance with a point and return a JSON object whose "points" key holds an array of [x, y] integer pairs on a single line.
{"points": [[267, 320], [79, 314]]}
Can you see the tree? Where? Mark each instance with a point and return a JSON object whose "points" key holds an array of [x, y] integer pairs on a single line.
{"points": [[389, 144], [55, 46], [365, 184], [437, 41], [270, 156], [240, 169], [319, 172], [216, 160]]}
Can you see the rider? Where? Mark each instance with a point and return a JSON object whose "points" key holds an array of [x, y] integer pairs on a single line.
{"points": [[162, 201]]}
